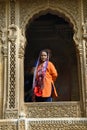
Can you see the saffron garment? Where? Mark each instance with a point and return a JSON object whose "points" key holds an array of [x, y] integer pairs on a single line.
{"points": [[46, 74]]}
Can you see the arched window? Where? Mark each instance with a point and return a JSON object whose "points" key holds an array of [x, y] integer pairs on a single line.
{"points": [[53, 32]]}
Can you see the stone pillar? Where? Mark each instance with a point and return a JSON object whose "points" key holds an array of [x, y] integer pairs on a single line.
{"points": [[1, 74], [13, 53], [3, 69], [12, 92], [81, 54], [81, 70], [85, 60], [82, 80], [21, 74]]}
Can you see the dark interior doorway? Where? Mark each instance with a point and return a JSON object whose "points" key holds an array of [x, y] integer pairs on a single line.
{"points": [[53, 32]]}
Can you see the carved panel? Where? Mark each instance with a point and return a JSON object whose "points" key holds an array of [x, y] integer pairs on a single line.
{"points": [[2, 14], [12, 12], [22, 124], [12, 36], [22, 45], [11, 114], [57, 124], [12, 76], [32, 7], [8, 125], [85, 9], [42, 110], [68, 10], [44, 124]]}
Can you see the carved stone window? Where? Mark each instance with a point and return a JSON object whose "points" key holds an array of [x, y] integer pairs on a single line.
{"points": [[53, 32]]}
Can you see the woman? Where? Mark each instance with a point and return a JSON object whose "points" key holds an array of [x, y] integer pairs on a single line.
{"points": [[44, 76]]}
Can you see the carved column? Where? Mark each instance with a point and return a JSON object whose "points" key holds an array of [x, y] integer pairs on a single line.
{"points": [[12, 92], [4, 68], [85, 60], [1, 74], [21, 74], [81, 80], [12, 83], [13, 54], [81, 72], [2, 25]]}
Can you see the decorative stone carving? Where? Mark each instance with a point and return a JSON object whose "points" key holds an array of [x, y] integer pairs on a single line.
{"points": [[57, 124], [4, 41], [22, 124], [12, 41], [8, 125], [84, 9], [85, 58], [85, 30], [11, 114], [12, 11], [44, 124], [12, 33], [2, 14], [38, 110], [28, 10], [22, 45], [70, 11]]}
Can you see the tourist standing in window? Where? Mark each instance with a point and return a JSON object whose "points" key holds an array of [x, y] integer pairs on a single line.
{"points": [[45, 75]]}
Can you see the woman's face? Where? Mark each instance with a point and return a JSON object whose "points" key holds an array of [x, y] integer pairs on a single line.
{"points": [[43, 56]]}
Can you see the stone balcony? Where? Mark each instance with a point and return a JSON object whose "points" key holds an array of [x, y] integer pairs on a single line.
{"points": [[46, 116]]}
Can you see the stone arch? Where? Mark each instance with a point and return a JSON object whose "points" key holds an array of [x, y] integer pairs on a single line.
{"points": [[38, 11]]}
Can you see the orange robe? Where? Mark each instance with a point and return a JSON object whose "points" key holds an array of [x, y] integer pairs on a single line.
{"points": [[50, 77]]}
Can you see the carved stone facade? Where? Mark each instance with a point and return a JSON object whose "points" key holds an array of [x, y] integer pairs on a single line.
{"points": [[15, 15]]}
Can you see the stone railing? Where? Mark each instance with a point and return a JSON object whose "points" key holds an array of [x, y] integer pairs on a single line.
{"points": [[44, 124], [54, 109]]}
